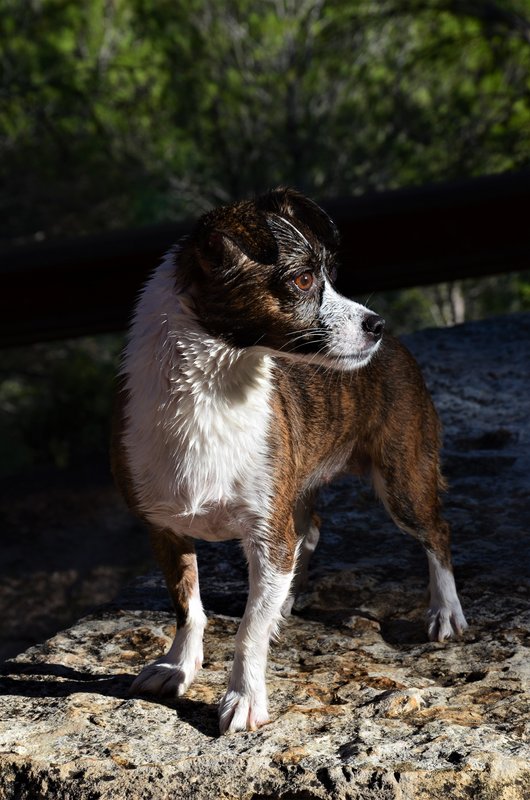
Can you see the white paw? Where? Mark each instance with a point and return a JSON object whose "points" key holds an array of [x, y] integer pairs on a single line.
{"points": [[445, 622], [243, 712], [166, 678]]}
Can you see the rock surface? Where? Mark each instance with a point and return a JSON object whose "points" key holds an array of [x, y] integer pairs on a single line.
{"points": [[362, 705]]}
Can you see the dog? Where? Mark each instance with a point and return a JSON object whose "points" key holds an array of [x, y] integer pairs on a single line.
{"points": [[227, 423]]}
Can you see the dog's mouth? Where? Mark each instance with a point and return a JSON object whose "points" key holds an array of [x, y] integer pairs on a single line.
{"points": [[358, 354], [328, 357], [343, 349], [354, 359]]}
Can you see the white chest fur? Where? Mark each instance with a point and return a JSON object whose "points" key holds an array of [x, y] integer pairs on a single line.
{"points": [[197, 416]]}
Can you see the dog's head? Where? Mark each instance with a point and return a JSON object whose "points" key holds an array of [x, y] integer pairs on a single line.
{"points": [[261, 275]]}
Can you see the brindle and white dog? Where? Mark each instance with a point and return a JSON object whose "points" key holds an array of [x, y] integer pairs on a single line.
{"points": [[228, 422]]}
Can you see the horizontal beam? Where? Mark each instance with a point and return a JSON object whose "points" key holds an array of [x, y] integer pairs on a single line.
{"points": [[390, 240]]}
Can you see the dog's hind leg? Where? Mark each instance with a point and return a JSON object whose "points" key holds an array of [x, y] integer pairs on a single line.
{"points": [[306, 524], [408, 484], [172, 674]]}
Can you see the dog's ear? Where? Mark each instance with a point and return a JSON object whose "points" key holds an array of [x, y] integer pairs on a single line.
{"points": [[291, 203], [244, 225]]}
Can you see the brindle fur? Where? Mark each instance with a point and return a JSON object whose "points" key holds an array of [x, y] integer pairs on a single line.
{"points": [[381, 415]]}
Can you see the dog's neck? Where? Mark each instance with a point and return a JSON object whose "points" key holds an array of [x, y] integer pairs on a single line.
{"points": [[196, 363], [213, 371], [199, 408]]}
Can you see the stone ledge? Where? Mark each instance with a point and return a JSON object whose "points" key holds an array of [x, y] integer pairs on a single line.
{"points": [[363, 706]]}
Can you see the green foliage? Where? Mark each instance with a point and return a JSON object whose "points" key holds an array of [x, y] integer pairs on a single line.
{"points": [[130, 111]]}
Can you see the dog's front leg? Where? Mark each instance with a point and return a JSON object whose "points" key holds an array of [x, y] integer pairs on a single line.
{"points": [[171, 674], [271, 567]]}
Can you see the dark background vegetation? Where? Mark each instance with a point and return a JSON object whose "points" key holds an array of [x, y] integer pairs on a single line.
{"points": [[122, 113]]}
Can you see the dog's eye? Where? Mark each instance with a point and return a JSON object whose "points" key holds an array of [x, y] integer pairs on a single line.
{"points": [[304, 281]]}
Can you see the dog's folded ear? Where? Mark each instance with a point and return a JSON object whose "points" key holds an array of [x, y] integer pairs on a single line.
{"points": [[244, 225], [289, 202]]}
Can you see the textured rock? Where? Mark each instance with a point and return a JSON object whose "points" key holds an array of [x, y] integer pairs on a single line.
{"points": [[363, 706]]}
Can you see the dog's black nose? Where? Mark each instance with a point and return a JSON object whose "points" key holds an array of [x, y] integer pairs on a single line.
{"points": [[374, 325]]}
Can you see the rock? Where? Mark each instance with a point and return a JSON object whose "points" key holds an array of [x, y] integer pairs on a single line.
{"points": [[363, 706]]}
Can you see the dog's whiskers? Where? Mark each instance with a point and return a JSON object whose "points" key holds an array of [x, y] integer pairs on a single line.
{"points": [[307, 332], [368, 298]]}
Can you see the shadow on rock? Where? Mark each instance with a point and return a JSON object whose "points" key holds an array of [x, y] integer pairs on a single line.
{"points": [[65, 681], [403, 632]]}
